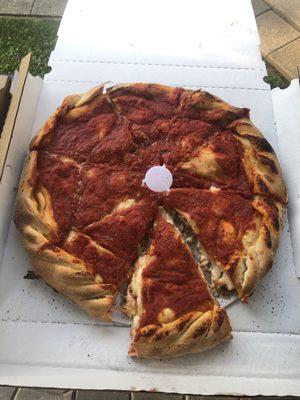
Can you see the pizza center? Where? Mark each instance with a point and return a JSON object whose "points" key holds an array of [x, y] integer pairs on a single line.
{"points": [[158, 179]]}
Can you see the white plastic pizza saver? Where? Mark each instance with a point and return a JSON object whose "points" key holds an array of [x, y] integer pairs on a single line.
{"points": [[158, 179]]}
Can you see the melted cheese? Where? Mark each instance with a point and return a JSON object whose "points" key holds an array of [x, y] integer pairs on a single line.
{"points": [[136, 288], [219, 277], [204, 164], [166, 315], [125, 204]]}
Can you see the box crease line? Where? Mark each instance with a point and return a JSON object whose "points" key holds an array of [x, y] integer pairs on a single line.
{"points": [[158, 65], [128, 326], [177, 85], [143, 373]]}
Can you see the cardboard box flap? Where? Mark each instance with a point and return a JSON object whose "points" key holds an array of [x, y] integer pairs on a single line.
{"points": [[67, 50], [205, 30], [131, 71], [5, 82], [12, 113], [14, 140], [287, 116]]}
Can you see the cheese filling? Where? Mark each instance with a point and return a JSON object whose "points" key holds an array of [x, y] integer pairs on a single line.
{"points": [[214, 274]]}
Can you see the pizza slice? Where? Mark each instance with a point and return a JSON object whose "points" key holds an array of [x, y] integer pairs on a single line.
{"points": [[104, 272], [108, 248], [147, 108], [237, 158], [102, 188], [172, 309], [87, 264], [219, 161], [124, 229], [238, 237]]}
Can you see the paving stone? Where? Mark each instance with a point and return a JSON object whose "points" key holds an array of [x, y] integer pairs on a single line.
{"points": [[190, 397], [6, 392], [102, 395], [43, 394], [269, 398], [286, 59], [156, 396], [274, 32], [259, 7], [289, 9], [53, 8], [22, 7]]}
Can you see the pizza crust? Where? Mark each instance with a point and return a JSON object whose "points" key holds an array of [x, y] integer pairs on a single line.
{"points": [[27, 210], [259, 257], [69, 276], [192, 333], [265, 169]]}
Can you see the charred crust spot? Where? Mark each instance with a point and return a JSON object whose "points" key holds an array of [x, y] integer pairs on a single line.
{"points": [[244, 112], [219, 319], [201, 330], [272, 212], [208, 96], [83, 274], [262, 186], [149, 332], [269, 163], [268, 238], [261, 143], [275, 221], [269, 202], [181, 325]]}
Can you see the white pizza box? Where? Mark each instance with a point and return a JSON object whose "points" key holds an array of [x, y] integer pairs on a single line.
{"points": [[194, 32], [46, 341]]}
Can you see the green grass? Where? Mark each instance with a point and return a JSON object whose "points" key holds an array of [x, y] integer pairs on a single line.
{"points": [[275, 79], [20, 35]]}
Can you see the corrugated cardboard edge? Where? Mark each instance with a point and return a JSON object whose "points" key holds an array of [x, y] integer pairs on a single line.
{"points": [[14, 144], [5, 82], [13, 112], [70, 378]]}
